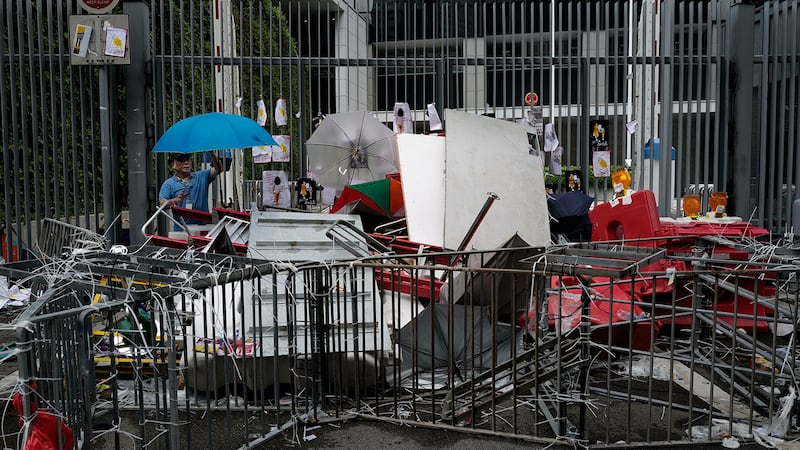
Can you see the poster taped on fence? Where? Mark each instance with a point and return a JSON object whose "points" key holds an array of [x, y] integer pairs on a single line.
{"points": [[80, 45], [116, 40], [262, 154], [276, 188], [283, 151]]}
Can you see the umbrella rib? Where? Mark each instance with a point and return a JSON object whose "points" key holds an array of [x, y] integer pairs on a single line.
{"points": [[346, 135], [379, 141], [361, 133]]}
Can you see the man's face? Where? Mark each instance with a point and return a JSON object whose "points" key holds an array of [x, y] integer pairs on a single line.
{"points": [[182, 164]]}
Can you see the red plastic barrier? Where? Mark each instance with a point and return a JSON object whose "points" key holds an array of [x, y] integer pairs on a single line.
{"points": [[194, 214], [401, 281], [236, 214], [14, 254], [631, 217], [47, 432], [702, 228], [607, 316]]}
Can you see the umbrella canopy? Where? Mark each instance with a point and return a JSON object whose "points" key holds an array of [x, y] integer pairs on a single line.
{"points": [[213, 131], [570, 215], [475, 345], [383, 197], [507, 291], [351, 146], [569, 204]]}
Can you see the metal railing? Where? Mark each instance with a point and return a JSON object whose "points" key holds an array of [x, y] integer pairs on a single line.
{"points": [[594, 345], [589, 62]]}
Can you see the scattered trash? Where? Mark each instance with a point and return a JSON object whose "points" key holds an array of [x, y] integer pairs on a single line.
{"points": [[730, 442], [223, 347], [46, 430], [13, 295], [781, 424], [640, 367]]}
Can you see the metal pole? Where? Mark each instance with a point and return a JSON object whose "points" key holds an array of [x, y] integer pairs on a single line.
{"points": [[172, 375], [137, 111], [741, 151], [109, 191], [25, 339], [584, 152], [301, 129], [665, 198], [472, 230], [478, 220]]}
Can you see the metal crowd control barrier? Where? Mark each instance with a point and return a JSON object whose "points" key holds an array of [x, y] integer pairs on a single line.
{"points": [[593, 345], [105, 341], [59, 239]]}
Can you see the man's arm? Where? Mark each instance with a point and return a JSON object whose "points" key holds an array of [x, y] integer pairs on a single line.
{"points": [[216, 165], [165, 195]]}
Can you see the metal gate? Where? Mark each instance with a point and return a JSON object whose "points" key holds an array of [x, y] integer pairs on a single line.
{"points": [[678, 74]]}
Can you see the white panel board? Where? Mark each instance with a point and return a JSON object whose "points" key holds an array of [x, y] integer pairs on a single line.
{"points": [[422, 171], [484, 155], [292, 237]]}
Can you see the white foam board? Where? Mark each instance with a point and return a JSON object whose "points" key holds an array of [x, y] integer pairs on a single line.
{"points": [[421, 161], [484, 155]]}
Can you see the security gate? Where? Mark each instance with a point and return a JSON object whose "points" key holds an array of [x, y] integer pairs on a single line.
{"points": [[679, 75]]}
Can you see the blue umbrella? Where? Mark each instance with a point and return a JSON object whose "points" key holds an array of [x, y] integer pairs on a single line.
{"points": [[213, 131]]}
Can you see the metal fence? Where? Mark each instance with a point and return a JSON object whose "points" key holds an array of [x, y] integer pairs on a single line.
{"points": [[76, 138], [595, 345], [102, 348]]}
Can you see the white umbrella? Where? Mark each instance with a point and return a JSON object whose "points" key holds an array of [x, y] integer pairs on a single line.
{"points": [[351, 147]]}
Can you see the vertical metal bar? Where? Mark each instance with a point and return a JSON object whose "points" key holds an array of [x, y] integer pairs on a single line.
{"points": [[768, 128], [85, 366], [319, 336], [17, 85], [793, 129], [43, 66], [698, 169], [666, 41], [172, 326], [106, 150], [591, 50], [26, 365], [6, 227], [740, 94], [583, 93], [785, 189], [585, 343], [681, 57], [301, 127], [136, 113], [28, 98], [714, 81], [64, 124]]}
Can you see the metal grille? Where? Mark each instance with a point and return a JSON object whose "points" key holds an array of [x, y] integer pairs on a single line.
{"points": [[595, 345], [76, 138]]}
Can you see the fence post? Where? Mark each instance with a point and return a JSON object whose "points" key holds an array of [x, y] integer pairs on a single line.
{"points": [[86, 374], [739, 124], [136, 112], [586, 358], [26, 363], [319, 337], [172, 377]]}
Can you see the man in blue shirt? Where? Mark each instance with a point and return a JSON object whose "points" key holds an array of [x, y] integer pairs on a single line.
{"points": [[188, 189]]}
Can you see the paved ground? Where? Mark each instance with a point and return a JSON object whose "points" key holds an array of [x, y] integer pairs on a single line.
{"points": [[363, 433]]}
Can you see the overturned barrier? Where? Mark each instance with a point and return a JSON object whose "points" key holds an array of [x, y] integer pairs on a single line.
{"points": [[592, 345]]}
